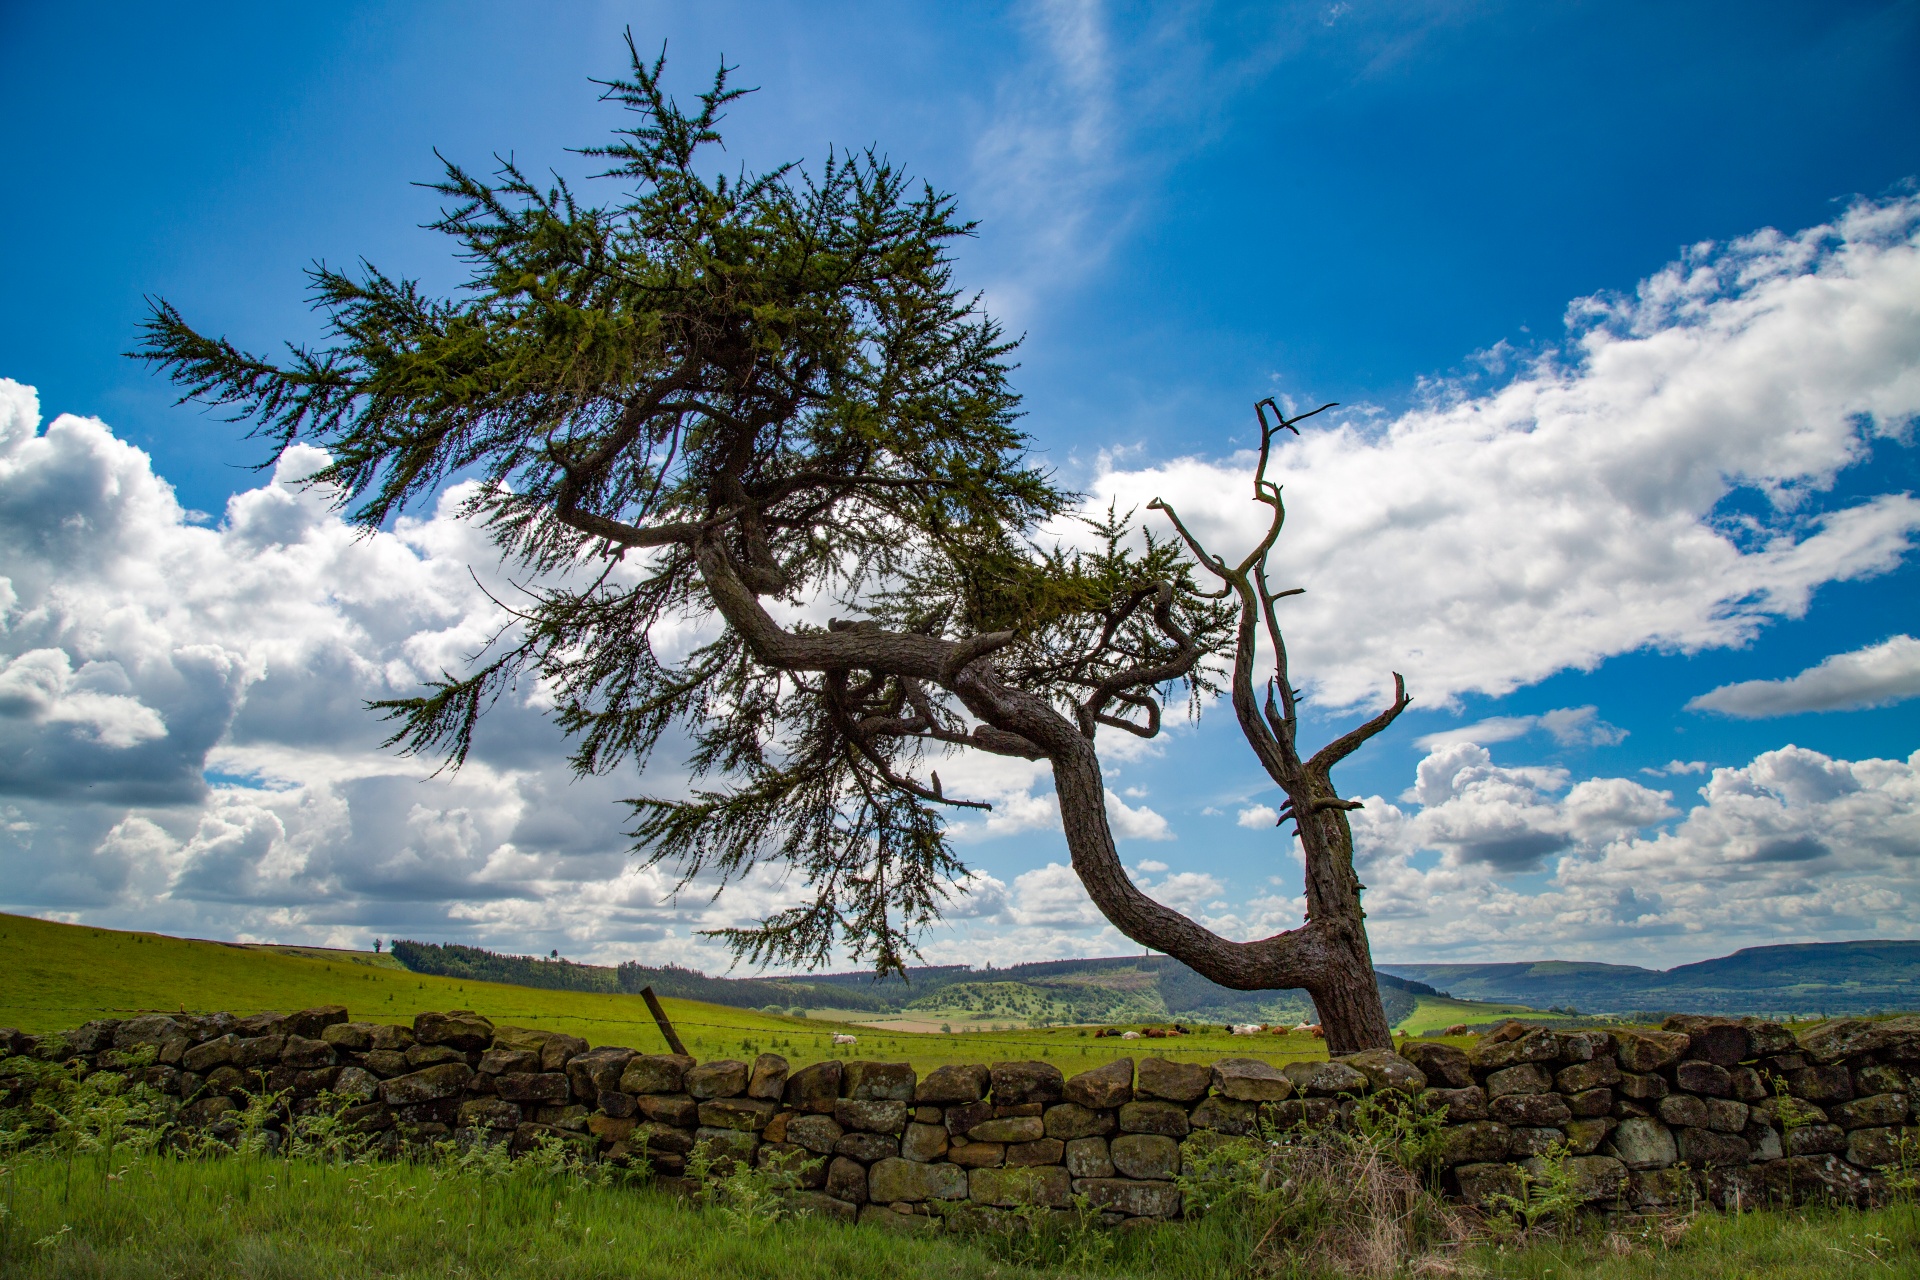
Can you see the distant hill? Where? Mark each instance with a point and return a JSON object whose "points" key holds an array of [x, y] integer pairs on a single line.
{"points": [[1799, 979], [1122, 989]]}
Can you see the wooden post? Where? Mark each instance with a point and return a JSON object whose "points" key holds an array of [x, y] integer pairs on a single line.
{"points": [[666, 1027]]}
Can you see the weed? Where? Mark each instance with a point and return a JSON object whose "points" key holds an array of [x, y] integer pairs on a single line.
{"points": [[1548, 1194]]}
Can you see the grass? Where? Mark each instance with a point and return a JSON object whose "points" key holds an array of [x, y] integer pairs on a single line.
{"points": [[60, 975], [281, 1220], [1433, 1012]]}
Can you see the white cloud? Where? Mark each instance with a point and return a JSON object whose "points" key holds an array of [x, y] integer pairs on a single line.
{"points": [[1259, 817], [1489, 540], [1880, 674], [1150, 866], [1676, 768], [1570, 727], [1135, 823]]}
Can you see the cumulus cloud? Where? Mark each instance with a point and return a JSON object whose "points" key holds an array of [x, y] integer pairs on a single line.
{"points": [[1259, 817], [1876, 676], [1569, 726], [1586, 508]]}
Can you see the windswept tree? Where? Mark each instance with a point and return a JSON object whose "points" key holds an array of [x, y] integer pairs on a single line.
{"points": [[749, 401]]}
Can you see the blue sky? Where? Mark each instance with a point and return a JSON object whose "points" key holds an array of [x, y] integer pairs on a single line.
{"points": [[1185, 208]]}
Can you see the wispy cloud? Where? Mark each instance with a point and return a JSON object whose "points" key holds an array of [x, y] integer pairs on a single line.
{"points": [[1884, 673]]}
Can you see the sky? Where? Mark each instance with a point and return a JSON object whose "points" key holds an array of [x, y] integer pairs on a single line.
{"points": [[1621, 305]]}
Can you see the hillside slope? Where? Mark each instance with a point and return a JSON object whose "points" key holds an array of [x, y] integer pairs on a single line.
{"points": [[1796, 979]]}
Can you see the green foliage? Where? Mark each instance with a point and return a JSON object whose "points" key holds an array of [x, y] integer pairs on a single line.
{"points": [[699, 394], [1548, 1196]]}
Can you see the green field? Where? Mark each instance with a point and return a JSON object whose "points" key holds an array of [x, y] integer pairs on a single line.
{"points": [[60, 975]]}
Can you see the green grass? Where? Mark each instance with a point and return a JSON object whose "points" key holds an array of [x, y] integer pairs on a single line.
{"points": [[282, 1220], [1433, 1012], [60, 975]]}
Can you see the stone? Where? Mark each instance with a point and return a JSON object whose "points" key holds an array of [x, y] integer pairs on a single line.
{"points": [[1295, 1112], [1325, 1079], [1815, 1178], [1479, 1183], [597, 1070], [956, 1083], [1765, 1141], [1019, 1109], [869, 1115], [1534, 1046], [1527, 1077], [1747, 1084], [546, 1086], [655, 1073], [557, 1050], [1582, 1076], [749, 1115], [1102, 1088], [1724, 1115], [1039, 1151], [1816, 1139], [432, 1055], [661, 1137], [1643, 1051], [167, 1038], [1462, 1105], [301, 1052], [1089, 1158], [1385, 1069], [878, 1081], [520, 1039], [1768, 1037], [1135, 1199], [1703, 1147], [816, 1133], [257, 1024], [768, 1078], [203, 1058], [1010, 1129], [895, 1179], [867, 1147], [1863, 1113], [1145, 1155], [1720, 1041], [1172, 1081], [1893, 1038], [501, 1062], [815, 1088], [355, 1082], [460, 1029], [1642, 1144], [448, 1080], [1476, 1142], [960, 1119], [610, 1128], [1226, 1115], [1643, 1087], [1708, 1079], [256, 1051], [1155, 1117], [1529, 1141], [1536, 1110], [924, 1142], [1828, 1083], [820, 1204], [1682, 1109], [614, 1103], [720, 1078], [1250, 1080], [389, 1037], [1871, 1148], [1585, 1136], [1662, 1188], [669, 1108], [847, 1180], [199, 1026], [927, 1115], [1880, 1077], [308, 1024], [977, 1155], [1046, 1186], [1444, 1065], [1589, 1178], [1594, 1102], [1027, 1084], [1069, 1120], [727, 1144]]}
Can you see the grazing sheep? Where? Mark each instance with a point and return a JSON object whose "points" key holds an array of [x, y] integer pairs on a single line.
{"points": [[1245, 1029], [839, 1038], [1129, 1035]]}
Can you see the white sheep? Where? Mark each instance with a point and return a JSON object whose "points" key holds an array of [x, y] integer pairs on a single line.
{"points": [[841, 1038], [1129, 1035], [1245, 1028]]}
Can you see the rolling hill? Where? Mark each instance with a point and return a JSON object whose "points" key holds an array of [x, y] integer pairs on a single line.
{"points": [[1797, 979]]}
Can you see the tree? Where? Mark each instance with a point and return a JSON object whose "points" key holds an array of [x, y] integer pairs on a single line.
{"points": [[709, 397]]}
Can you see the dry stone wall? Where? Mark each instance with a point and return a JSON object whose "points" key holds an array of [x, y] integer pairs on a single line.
{"points": [[1729, 1111]]}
